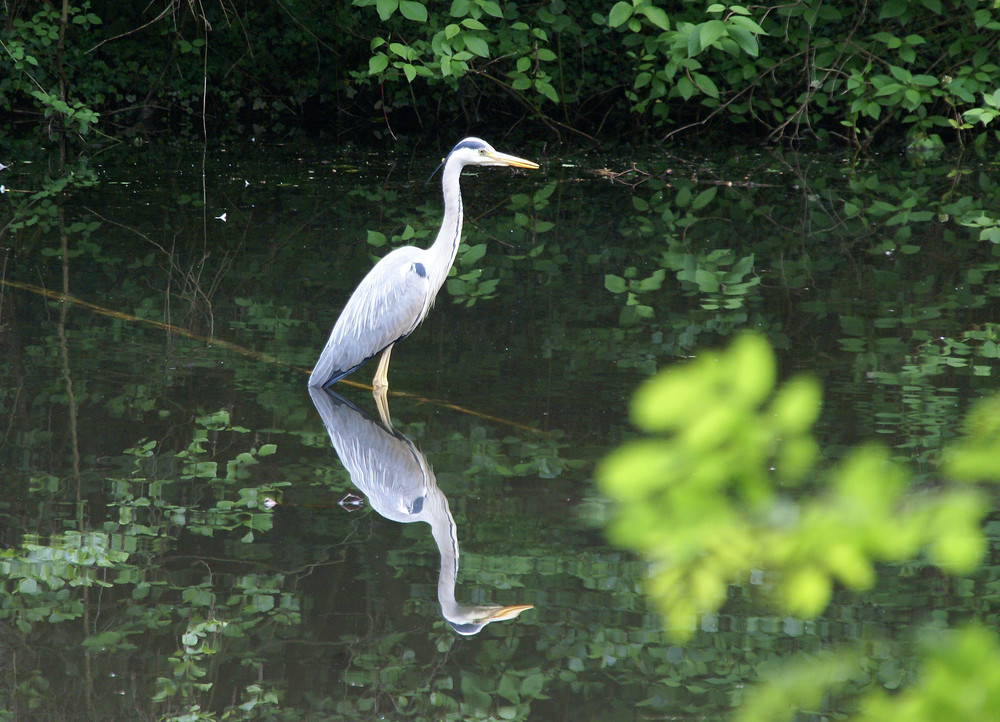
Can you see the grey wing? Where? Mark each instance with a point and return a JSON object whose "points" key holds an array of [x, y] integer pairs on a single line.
{"points": [[386, 306]]}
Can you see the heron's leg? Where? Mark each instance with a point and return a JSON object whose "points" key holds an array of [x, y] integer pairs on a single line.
{"points": [[382, 403], [381, 381]]}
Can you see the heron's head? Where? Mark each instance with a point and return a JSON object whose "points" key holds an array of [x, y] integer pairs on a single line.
{"points": [[473, 151], [471, 620]]}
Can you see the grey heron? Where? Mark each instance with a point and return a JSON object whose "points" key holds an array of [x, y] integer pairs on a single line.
{"points": [[400, 485], [398, 292]]}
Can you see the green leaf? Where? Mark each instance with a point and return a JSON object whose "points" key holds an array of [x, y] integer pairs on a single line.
{"points": [[378, 63], [796, 406], [693, 41], [547, 90], [704, 198], [807, 592], [740, 21], [620, 12], [709, 32], [888, 89], [901, 74], [474, 253], [893, 9], [615, 284], [706, 85], [109, 638], [747, 42], [476, 45], [412, 10], [657, 16], [386, 8], [532, 685], [684, 85], [508, 687], [263, 602], [403, 51], [654, 282], [491, 8]]}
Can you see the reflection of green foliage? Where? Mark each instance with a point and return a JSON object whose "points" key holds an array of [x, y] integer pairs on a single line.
{"points": [[718, 278], [474, 278], [186, 626], [390, 676], [709, 496], [719, 275], [903, 341], [37, 576], [39, 211], [141, 498]]}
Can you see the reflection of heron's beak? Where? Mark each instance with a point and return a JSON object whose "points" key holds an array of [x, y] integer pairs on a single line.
{"points": [[503, 613], [511, 160]]}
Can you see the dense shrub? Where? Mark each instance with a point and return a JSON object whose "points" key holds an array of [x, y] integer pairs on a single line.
{"points": [[921, 71]]}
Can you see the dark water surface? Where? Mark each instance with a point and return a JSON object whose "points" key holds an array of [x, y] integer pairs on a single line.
{"points": [[144, 430]]}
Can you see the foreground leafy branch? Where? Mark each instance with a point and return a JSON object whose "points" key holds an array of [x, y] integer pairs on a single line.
{"points": [[725, 489]]}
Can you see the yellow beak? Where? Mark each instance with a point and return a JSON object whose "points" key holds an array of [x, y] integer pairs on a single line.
{"points": [[499, 615], [512, 160]]}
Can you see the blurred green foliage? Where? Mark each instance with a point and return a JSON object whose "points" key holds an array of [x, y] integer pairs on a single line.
{"points": [[724, 489]]}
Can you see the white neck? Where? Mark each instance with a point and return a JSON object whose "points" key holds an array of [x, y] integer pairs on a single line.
{"points": [[446, 537], [445, 246]]}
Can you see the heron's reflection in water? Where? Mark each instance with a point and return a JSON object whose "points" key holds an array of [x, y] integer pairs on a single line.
{"points": [[400, 486]]}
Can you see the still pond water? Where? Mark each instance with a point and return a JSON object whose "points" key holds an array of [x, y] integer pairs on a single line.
{"points": [[148, 426]]}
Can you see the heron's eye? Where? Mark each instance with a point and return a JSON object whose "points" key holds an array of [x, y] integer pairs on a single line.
{"points": [[482, 151]]}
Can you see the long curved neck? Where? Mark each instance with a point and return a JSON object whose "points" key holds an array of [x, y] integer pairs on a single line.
{"points": [[446, 537], [445, 246]]}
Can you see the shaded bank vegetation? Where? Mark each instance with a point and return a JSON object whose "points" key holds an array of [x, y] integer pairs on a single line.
{"points": [[922, 72]]}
